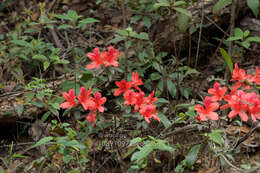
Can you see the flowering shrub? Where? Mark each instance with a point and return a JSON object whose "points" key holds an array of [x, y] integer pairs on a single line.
{"points": [[132, 94], [105, 58], [145, 105], [93, 104], [241, 102]]}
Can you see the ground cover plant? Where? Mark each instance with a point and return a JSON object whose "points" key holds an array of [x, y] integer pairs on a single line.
{"points": [[129, 86]]}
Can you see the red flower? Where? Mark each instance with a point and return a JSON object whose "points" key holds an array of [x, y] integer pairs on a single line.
{"points": [[130, 97], [256, 77], [253, 106], [149, 111], [140, 100], [85, 99], [210, 107], [198, 118], [217, 92], [99, 101], [96, 58], [123, 87], [238, 105], [91, 118], [136, 81], [240, 76], [110, 57], [70, 99], [151, 99]]}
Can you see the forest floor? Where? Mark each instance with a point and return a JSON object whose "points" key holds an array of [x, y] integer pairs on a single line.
{"points": [[18, 133]]}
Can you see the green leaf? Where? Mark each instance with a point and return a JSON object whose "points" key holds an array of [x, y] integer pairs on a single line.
{"points": [[192, 156], [163, 1], [73, 16], [183, 11], [116, 40], [19, 110], [39, 57], [186, 92], [45, 116], [162, 100], [246, 44], [135, 140], [253, 39], [254, 6], [147, 21], [135, 18], [183, 22], [158, 5], [246, 33], [46, 64], [143, 153], [29, 96], [88, 20], [44, 140], [38, 104], [160, 85], [18, 156], [20, 43], [61, 61], [238, 33], [179, 3], [233, 38], [67, 158], [171, 88], [220, 5], [122, 32], [62, 16], [156, 76], [216, 137], [74, 171], [65, 26], [157, 67], [144, 36], [166, 122], [227, 59]]}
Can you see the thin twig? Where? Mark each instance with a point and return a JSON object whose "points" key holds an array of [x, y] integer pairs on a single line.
{"points": [[232, 25], [214, 23], [56, 38], [198, 45], [230, 164], [125, 48], [247, 135]]}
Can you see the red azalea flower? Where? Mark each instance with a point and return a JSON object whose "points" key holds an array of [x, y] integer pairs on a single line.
{"points": [[99, 101], [238, 105], [253, 106], [136, 81], [240, 76], [70, 99], [85, 99], [217, 92], [140, 100], [91, 118], [151, 99], [149, 111], [198, 118], [123, 87], [110, 57], [256, 77], [96, 58], [208, 111], [130, 97]]}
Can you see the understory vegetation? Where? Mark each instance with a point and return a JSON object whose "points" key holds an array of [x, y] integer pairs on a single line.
{"points": [[130, 86]]}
